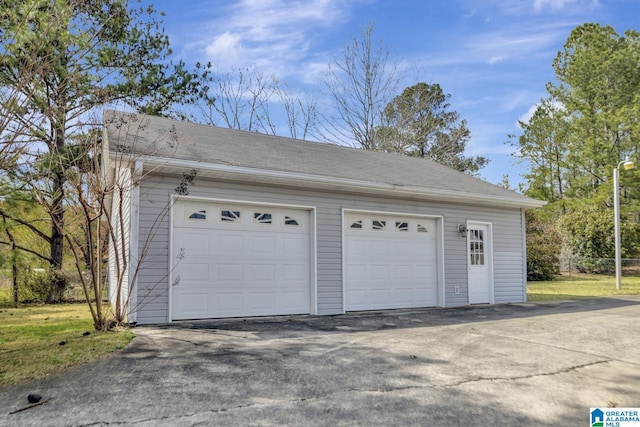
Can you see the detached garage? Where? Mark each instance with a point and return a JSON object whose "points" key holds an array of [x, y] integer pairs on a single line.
{"points": [[223, 223]]}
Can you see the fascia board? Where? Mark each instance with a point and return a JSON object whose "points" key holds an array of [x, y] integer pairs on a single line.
{"points": [[359, 186]]}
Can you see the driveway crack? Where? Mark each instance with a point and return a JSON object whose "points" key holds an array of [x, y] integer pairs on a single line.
{"points": [[529, 376], [179, 416], [560, 347], [356, 390], [415, 387]]}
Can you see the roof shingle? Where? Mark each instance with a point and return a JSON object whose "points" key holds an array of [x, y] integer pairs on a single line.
{"points": [[172, 139]]}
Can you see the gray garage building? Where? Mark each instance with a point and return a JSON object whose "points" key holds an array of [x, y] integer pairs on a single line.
{"points": [[225, 223]]}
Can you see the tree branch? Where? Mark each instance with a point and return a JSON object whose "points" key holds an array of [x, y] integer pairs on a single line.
{"points": [[22, 248], [26, 224]]}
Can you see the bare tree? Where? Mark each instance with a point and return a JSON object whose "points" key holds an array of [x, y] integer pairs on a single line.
{"points": [[101, 179], [238, 99], [361, 82], [246, 99], [301, 113]]}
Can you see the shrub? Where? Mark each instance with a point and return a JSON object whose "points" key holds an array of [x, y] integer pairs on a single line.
{"points": [[590, 238], [543, 248], [34, 286]]}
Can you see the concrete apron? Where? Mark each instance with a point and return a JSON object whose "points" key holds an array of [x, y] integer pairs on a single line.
{"points": [[521, 364]]}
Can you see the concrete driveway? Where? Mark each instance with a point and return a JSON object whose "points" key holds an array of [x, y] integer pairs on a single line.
{"points": [[523, 364]]}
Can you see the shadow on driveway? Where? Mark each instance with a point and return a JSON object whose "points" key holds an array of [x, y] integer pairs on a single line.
{"points": [[291, 326]]}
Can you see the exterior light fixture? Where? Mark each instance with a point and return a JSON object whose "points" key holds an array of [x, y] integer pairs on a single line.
{"points": [[462, 229], [627, 164]]}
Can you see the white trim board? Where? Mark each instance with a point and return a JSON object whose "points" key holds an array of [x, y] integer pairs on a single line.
{"points": [[134, 230]]}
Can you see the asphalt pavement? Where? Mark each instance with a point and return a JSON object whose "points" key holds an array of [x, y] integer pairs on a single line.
{"points": [[500, 365]]}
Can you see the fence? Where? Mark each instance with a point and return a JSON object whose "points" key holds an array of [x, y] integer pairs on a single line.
{"points": [[630, 266]]}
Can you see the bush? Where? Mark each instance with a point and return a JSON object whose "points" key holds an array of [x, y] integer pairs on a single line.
{"points": [[590, 238], [543, 248], [595, 265], [34, 286]]}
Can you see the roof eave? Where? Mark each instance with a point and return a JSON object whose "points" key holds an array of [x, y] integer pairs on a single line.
{"points": [[240, 173]]}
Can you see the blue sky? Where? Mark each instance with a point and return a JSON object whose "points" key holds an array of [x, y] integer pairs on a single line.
{"points": [[493, 56]]}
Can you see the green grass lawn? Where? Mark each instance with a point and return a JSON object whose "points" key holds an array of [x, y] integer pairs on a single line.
{"points": [[31, 336], [581, 286]]}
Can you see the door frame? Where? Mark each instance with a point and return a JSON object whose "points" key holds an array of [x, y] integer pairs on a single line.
{"points": [[313, 233], [439, 247], [488, 257]]}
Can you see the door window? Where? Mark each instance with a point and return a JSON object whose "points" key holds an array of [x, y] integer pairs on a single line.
{"points": [[476, 247]]}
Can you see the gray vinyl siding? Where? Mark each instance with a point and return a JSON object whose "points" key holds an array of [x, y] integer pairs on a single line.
{"points": [[509, 260], [153, 245], [119, 249], [155, 196]]}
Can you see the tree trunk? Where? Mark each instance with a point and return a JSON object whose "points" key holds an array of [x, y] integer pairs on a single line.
{"points": [[14, 270], [58, 282]]}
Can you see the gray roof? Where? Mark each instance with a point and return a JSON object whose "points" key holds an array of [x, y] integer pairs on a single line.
{"points": [[160, 137]]}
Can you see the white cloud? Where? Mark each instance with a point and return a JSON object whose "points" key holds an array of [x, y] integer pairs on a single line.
{"points": [[226, 46], [471, 14], [516, 42], [524, 7], [274, 35], [527, 116], [506, 44], [514, 101], [556, 5], [312, 72]]}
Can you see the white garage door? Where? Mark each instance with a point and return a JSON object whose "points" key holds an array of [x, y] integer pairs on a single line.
{"points": [[390, 262], [234, 260]]}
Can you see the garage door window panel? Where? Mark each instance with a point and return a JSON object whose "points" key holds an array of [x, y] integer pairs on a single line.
{"points": [[292, 220], [423, 228], [200, 215], [228, 215], [262, 218], [402, 226], [378, 225], [356, 225]]}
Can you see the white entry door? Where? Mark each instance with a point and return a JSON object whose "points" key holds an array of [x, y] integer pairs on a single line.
{"points": [[233, 260], [390, 262], [479, 263]]}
